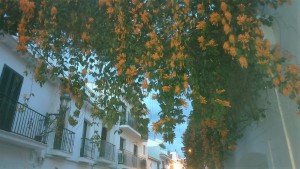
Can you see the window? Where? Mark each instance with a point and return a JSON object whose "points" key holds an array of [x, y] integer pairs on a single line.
{"points": [[144, 149], [122, 143], [10, 88], [135, 150], [104, 133]]}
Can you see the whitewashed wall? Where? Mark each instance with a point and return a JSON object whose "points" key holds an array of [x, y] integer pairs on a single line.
{"points": [[273, 142]]}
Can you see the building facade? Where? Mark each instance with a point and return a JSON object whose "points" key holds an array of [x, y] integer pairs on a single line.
{"points": [[273, 142], [177, 162], [158, 156], [35, 134]]}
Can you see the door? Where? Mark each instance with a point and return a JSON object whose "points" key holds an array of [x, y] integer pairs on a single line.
{"points": [[105, 150], [83, 153], [10, 88]]}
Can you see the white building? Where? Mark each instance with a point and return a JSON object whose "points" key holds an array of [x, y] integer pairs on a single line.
{"points": [[273, 142], [28, 139], [158, 155], [177, 161]]}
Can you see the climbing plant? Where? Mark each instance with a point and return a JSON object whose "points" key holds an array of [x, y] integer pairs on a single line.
{"points": [[210, 52]]}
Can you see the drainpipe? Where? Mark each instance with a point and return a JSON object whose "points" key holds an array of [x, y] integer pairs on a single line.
{"points": [[286, 135]]}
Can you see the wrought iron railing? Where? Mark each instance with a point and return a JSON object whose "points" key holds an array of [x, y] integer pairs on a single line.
{"points": [[64, 140], [129, 120], [107, 150], [129, 159], [20, 119], [87, 148]]}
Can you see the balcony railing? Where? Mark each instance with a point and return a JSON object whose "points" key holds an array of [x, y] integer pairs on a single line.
{"points": [[87, 148], [64, 140], [107, 150], [129, 120], [18, 118], [129, 159]]}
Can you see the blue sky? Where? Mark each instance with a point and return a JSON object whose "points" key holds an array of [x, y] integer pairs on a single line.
{"points": [[154, 108]]}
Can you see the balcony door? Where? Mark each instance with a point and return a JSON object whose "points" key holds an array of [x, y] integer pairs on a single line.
{"points": [[86, 146], [10, 87]]}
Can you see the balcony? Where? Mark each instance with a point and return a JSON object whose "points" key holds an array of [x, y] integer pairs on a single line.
{"points": [[87, 151], [63, 143], [129, 125], [130, 160], [106, 152], [21, 125]]}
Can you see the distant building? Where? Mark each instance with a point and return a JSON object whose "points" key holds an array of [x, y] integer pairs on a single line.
{"points": [[158, 155], [177, 162]]}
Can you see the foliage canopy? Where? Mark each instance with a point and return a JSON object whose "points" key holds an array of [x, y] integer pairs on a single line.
{"points": [[210, 52]]}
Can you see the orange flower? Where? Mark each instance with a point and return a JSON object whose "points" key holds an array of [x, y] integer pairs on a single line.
{"points": [[110, 9], [186, 2], [202, 100], [131, 71], [177, 89], [223, 6], [220, 91], [241, 19], [214, 18], [166, 76], [145, 16], [243, 62], [226, 46], [84, 71], [185, 77], [201, 39], [84, 37], [166, 88], [228, 16], [147, 75], [211, 43], [184, 103], [53, 10], [281, 78], [285, 91], [185, 84], [223, 102], [201, 9], [278, 68], [154, 96], [231, 38], [145, 84], [152, 34], [201, 25], [174, 74], [276, 81], [227, 29], [172, 64], [244, 38], [155, 56], [232, 51], [91, 19], [27, 7], [224, 133], [241, 7]]}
